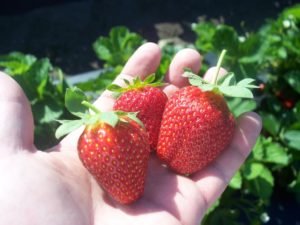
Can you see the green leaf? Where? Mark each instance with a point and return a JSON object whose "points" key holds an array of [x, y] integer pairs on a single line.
{"points": [[99, 84], [225, 37], [73, 101], [252, 170], [115, 88], [16, 63], [227, 80], [110, 118], [260, 179], [207, 87], [67, 127], [118, 46], [149, 79], [282, 53], [134, 117], [270, 123], [294, 11], [39, 71], [293, 79], [245, 82], [292, 138], [236, 181], [205, 32], [36, 78], [239, 106], [127, 82], [47, 113], [137, 81], [236, 91], [157, 84], [266, 150], [194, 79]]}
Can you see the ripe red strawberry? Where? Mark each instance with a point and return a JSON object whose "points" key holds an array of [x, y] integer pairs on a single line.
{"points": [[146, 99], [197, 124], [117, 157], [113, 147], [196, 127]]}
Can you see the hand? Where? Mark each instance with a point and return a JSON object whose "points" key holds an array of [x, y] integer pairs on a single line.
{"points": [[53, 187]]}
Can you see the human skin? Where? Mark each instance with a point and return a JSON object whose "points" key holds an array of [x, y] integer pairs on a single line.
{"points": [[53, 188]]}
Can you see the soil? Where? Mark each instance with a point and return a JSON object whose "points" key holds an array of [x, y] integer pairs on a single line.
{"points": [[64, 30]]}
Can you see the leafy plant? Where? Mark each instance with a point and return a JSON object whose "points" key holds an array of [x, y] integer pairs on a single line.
{"points": [[116, 49], [44, 86], [271, 56]]}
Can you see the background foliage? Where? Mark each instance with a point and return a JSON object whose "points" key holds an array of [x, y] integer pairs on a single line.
{"points": [[271, 55]]}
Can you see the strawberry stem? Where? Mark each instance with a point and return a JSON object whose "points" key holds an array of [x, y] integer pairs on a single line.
{"points": [[220, 60], [91, 106]]}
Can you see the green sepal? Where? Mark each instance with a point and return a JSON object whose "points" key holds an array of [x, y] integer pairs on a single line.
{"points": [[194, 79], [130, 115], [73, 99], [150, 79], [110, 118], [89, 119], [236, 91], [226, 85], [67, 127], [77, 104], [114, 88], [133, 116], [136, 83], [227, 80], [127, 82]]}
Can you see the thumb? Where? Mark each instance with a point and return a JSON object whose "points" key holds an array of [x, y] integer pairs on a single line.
{"points": [[16, 121]]}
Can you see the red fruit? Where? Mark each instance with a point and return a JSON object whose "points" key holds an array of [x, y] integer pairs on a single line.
{"points": [[288, 103], [113, 147], [117, 157], [196, 127], [197, 124], [149, 102], [262, 86]]}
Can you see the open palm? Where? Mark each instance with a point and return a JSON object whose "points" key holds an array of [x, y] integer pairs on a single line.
{"points": [[53, 187]]}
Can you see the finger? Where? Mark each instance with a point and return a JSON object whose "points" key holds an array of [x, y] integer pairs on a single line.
{"points": [[142, 63], [213, 180], [186, 58], [171, 88], [16, 121], [208, 76]]}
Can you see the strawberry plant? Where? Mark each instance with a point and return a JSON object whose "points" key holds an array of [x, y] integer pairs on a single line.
{"points": [[271, 57], [45, 87], [114, 50]]}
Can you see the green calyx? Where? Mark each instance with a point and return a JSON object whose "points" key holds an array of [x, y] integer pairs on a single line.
{"points": [[77, 104], [226, 85], [136, 84]]}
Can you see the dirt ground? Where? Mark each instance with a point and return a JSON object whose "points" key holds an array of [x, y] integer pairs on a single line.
{"points": [[64, 31]]}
